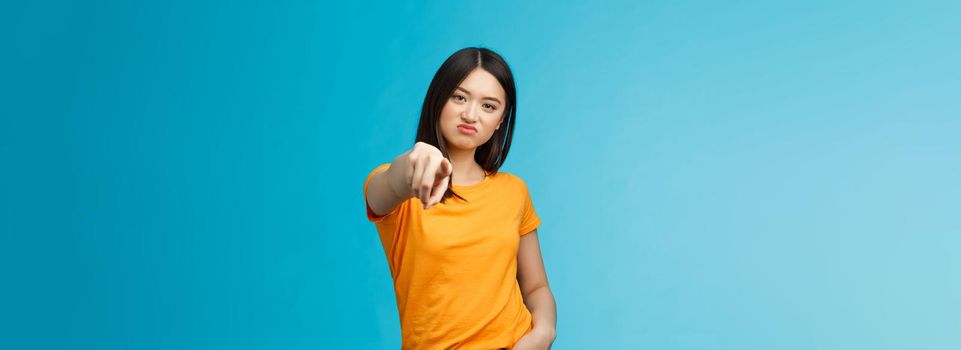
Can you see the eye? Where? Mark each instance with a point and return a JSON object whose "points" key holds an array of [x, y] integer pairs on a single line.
{"points": [[458, 98], [490, 106]]}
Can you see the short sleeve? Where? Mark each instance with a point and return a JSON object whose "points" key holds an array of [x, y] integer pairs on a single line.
{"points": [[371, 216], [529, 219]]}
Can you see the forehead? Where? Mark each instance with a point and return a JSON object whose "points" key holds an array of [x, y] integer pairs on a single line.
{"points": [[481, 82]]}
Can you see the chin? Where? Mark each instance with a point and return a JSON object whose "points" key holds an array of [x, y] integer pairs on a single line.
{"points": [[463, 145], [460, 142]]}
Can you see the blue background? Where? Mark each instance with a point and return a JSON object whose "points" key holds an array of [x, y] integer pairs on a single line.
{"points": [[711, 175]]}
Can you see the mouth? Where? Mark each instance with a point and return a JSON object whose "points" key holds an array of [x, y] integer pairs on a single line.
{"points": [[466, 129]]}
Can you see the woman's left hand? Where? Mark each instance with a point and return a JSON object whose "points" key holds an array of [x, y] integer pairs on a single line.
{"points": [[535, 340]]}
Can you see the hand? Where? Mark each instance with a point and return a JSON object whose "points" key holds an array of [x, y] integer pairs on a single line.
{"points": [[424, 173], [535, 340]]}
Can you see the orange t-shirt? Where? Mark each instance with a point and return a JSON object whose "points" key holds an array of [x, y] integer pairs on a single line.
{"points": [[454, 265]]}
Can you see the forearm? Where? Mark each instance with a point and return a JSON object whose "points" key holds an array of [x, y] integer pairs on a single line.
{"points": [[386, 189], [541, 304]]}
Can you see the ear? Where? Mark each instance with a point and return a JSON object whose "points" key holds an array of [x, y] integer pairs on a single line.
{"points": [[499, 124]]}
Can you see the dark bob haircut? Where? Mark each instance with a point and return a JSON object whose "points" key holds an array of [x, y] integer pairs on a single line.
{"points": [[452, 72]]}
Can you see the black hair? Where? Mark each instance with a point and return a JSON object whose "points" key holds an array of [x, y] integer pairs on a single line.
{"points": [[452, 72]]}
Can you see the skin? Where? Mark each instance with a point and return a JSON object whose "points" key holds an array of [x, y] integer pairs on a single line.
{"points": [[423, 172]]}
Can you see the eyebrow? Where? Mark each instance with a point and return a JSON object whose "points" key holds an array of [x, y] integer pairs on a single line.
{"points": [[483, 98]]}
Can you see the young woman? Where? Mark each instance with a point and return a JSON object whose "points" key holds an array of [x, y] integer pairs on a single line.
{"points": [[461, 237]]}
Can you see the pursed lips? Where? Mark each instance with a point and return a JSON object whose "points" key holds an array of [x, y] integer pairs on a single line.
{"points": [[467, 127]]}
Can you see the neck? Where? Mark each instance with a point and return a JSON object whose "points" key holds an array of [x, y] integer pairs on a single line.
{"points": [[466, 170]]}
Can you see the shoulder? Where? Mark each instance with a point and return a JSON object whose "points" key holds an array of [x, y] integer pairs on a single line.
{"points": [[511, 180]]}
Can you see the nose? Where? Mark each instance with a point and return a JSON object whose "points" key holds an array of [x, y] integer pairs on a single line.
{"points": [[469, 114]]}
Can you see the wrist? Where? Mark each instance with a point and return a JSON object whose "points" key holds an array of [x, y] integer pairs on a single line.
{"points": [[392, 184], [396, 177]]}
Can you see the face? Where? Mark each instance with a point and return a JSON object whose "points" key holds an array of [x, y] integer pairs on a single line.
{"points": [[473, 112]]}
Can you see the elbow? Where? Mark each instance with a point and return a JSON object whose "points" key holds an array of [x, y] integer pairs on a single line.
{"points": [[528, 292]]}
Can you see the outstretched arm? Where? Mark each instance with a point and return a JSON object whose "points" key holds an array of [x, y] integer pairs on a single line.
{"points": [[422, 172]]}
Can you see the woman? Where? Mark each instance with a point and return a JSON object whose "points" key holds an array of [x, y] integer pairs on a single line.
{"points": [[465, 259]]}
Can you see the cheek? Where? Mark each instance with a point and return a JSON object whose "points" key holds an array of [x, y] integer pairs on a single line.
{"points": [[448, 113], [491, 122]]}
